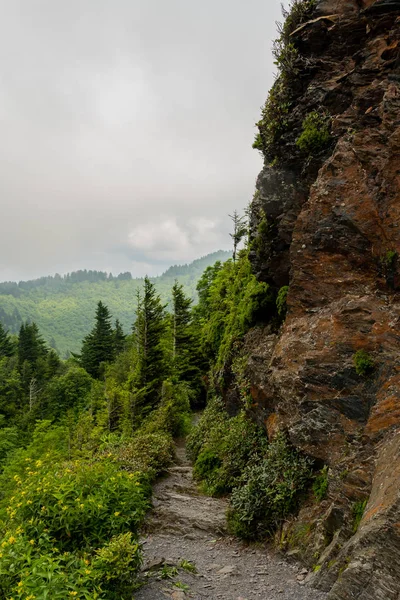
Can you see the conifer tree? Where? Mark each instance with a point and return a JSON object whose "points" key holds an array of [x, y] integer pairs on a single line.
{"points": [[149, 328], [119, 338], [31, 346], [188, 362], [239, 231], [182, 333], [6, 345], [98, 346]]}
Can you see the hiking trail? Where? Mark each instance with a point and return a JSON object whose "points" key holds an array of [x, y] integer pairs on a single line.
{"points": [[186, 525]]}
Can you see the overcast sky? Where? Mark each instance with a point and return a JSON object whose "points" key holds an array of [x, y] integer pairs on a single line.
{"points": [[126, 129]]}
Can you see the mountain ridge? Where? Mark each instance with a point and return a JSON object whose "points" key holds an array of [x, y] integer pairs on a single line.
{"points": [[63, 306]]}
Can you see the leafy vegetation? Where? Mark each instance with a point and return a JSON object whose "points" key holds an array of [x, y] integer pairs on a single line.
{"points": [[82, 440], [363, 362], [358, 510], [274, 122], [270, 490], [222, 447], [315, 135], [321, 484]]}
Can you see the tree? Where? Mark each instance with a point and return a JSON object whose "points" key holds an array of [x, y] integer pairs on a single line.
{"points": [[98, 346], [119, 338], [6, 345], [239, 231], [187, 360], [149, 328], [31, 346]]}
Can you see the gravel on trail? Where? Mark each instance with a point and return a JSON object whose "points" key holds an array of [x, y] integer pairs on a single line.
{"points": [[185, 525]]}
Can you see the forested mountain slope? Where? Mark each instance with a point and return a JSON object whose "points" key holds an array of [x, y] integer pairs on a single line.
{"points": [[63, 307]]}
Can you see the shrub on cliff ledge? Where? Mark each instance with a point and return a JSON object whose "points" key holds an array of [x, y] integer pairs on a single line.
{"points": [[316, 135], [363, 363], [270, 492]]}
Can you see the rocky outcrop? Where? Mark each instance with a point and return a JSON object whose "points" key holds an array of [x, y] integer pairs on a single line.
{"points": [[328, 224]]}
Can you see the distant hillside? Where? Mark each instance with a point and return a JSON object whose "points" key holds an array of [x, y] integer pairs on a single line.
{"points": [[63, 306]]}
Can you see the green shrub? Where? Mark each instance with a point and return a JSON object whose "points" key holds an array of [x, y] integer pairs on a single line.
{"points": [[258, 143], [321, 484], [173, 416], [222, 447], [116, 563], [281, 301], [206, 464], [270, 490], [68, 527], [316, 135], [150, 453], [363, 363]]}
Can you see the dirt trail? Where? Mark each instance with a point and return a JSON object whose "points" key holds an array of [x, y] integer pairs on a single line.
{"points": [[185, 525]]}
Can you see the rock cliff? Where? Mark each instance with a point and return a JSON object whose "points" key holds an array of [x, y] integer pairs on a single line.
{"points": [[325, 220]]}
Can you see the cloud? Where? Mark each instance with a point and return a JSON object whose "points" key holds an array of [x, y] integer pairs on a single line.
{"points": [[122, 116], [168, 240]]}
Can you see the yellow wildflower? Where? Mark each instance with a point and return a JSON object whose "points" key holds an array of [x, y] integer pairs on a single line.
{"points": [[116, 514], [73, 593], [38, 463], [32, 542], [11, 539], [20, 583]]}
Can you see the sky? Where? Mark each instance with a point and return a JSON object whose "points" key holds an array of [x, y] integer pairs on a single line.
{"points": [[126, 129]]}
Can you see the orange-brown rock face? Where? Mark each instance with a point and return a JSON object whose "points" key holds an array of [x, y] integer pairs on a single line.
{"points": [[334, 237]]}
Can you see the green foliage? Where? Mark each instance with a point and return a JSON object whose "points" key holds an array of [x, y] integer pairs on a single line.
{"points": [[149, 453], [270, 490], [149, 329], [358, 512], [68, 391], [68, 526], [188, 566], [258, 142], [222, 447], [235, 301], [315, 135], [173, 413], [363, 362], [321, 484], [98, 347], [274, 122], [6, 346], [281, 299]]}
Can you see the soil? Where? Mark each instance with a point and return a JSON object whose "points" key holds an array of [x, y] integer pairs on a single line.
{"points": [[186, 525]]}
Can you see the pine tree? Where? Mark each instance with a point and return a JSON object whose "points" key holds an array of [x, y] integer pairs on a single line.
{"points": [[239, 231], [149, 328], [6, 345], [187, 359], [98, 347], [119, 338], [31, 346], [182, 334]]}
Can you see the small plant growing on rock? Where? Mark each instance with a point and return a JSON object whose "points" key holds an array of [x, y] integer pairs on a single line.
{"points": [[188, 566], [358, 512], [321, 483], [315, 135], [281, 301], [363, 363]]}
